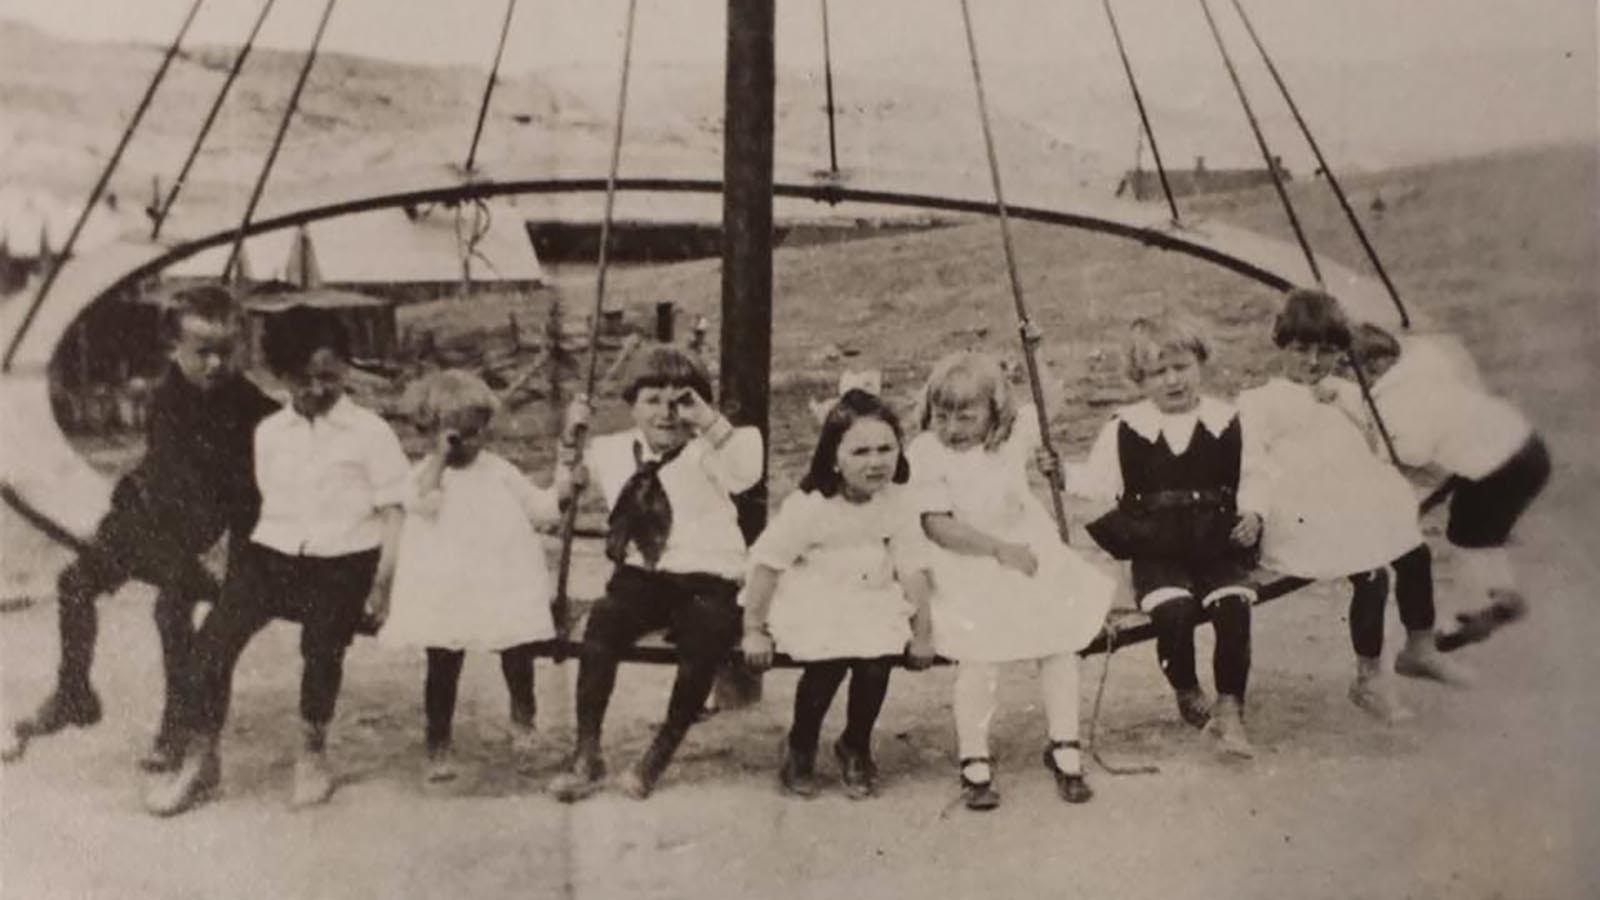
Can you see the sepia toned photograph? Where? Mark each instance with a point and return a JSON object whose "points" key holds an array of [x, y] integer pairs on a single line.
{"points": [[808, 449]]}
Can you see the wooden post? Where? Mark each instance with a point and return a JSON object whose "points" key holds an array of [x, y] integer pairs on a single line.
{"points": [[746, 374], [666, 317]]}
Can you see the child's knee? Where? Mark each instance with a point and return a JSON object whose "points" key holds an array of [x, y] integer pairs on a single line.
{"points": [[1231, 612], [1174, 612]]}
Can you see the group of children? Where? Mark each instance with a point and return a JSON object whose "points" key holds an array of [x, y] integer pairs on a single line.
{"points": [[893, 550]]}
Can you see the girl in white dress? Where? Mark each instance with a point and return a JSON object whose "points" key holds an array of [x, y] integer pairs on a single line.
{"points": [[471, 573], [1006, 587], [839, 582], [1336, 508]]}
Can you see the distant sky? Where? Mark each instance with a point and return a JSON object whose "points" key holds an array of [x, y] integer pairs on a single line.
{"points": [[567, 31]]}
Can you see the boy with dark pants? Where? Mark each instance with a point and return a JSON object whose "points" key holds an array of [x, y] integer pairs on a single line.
{"points": [[193, 484], [674, 537], [332, 476]]}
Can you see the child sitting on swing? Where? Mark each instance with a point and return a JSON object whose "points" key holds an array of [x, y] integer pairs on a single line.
{"points": [[1188, 489], [839, 582], [674, 537], [471, 572], [1006, 588], [1337, 509]]}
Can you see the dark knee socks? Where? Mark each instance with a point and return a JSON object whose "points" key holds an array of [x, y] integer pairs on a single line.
{"points": [[439, 693], [1413, 588], [819, 681], [516, 665], [1369, 594], [869, 684], [597, 676], [78, 622], [1230, 665], [1175, 621], [444, 679]]}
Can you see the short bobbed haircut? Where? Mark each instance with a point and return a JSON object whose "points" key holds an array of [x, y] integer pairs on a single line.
{"points": [[296, 334], [665, 366], [964, 377], [823, 477], [1372, 343], [208, 302], [449, 392], [1166, 332], [1311, 316]]}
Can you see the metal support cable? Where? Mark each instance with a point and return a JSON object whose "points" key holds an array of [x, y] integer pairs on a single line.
{"points": [[1026, 331], [53, 268], [1144, 115], [1327, 170], [159, 216], [1261, 143], [1294, 220], [827, 81], [488, 87], [277, 141], [569, 519]]}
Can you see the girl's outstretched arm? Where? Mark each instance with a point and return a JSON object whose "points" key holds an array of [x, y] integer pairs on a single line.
{"points": [[388, 555], [919, 589], [958, 537], [757, 599]]}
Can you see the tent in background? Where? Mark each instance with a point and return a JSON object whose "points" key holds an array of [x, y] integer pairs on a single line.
{"points": [[402, 254]]}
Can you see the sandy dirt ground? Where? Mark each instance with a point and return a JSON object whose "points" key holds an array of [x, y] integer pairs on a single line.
{"points": [[1487, 794]]}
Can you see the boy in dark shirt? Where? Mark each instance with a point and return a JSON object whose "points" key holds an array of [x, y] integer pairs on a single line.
{"points": [[193, 484]]}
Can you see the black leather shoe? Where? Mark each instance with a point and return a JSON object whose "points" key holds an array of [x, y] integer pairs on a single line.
{"points": [[798, 771], [196, 781], [583, 778], [60, 710], [1070, 785], [165, 755], [857, 771], [980, 796]]}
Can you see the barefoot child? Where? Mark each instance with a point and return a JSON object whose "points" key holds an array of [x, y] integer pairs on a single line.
{"points": [[838, 581], [1005, 587], [1187, 486], [1336, 509], [471, 572], [1496, 462], [193, 484], [332, 478], [674, 536]]}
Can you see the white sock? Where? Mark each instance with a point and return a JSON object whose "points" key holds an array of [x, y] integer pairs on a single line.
{"points": [[976, 690], [1483, 570], [1058, 681]]}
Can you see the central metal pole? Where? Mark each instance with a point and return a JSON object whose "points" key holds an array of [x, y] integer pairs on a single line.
{"points": [[746, 356]]}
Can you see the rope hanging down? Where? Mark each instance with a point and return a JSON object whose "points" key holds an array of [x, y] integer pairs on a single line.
{"points": [[1025, 329], [1261, 143], [1327, 170], [560, 603], [229, 267], [488, 88], [827, 83], [53, 269], [1144, 116], [159, 215], [1294, 220]]}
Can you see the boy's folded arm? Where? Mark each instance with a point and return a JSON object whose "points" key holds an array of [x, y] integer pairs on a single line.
{"points": [[735, 463]]}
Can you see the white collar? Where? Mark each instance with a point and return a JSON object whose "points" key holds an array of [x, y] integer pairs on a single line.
{"points": [[1150, 423], [646, 453], [342, 414]]}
